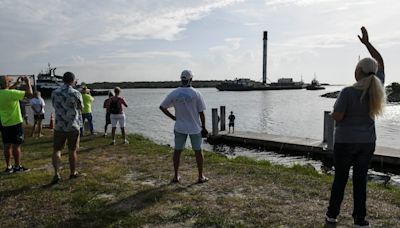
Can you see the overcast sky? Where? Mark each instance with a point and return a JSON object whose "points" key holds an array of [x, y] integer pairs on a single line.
{"points": [[149, 40]]}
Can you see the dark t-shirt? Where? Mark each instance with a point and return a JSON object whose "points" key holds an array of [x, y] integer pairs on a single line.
{"points": [[231, 118], [357, 126]]}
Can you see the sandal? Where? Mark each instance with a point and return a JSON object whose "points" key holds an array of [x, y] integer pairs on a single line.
{"points": [[202, 180]]}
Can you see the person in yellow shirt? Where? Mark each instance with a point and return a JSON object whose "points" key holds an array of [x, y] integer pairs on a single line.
{"points": [[11, 120], [87, 110]]}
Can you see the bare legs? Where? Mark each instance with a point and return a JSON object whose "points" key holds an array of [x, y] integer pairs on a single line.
{"points": [[176, 158], [113, 133], [15, 150], [57, 161], [39, 126], [7, 154], [122, 132], [199, 160]]}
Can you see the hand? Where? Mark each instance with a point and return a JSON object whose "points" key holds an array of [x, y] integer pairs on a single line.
{"points": [[26, 79], [204, 132], [364, 39]]}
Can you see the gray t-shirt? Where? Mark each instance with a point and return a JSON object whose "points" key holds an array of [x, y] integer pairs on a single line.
{"points": [[357, 126]]}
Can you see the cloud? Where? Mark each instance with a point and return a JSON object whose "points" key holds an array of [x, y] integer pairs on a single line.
{"points": [[315, 2], [149, 54], [34, 27]]}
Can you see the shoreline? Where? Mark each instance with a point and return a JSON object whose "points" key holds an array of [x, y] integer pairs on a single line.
{"points": [[128, 186]]}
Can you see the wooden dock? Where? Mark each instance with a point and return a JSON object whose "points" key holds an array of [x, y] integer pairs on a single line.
{"points": [[385, 159], [383, 156]]}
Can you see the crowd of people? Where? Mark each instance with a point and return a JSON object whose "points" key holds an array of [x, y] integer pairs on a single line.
{"points": [[354, 111]]}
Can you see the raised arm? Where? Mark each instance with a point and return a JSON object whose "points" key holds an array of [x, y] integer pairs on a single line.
{"points": [[372, 50], [16, 83], [28, 87]]}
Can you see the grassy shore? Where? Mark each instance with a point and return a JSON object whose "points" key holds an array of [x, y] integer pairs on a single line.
{"points": [[128, 186]]}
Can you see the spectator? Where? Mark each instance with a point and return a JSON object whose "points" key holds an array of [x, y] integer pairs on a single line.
{"points": [[231, 123], [117, 114], [106, 106], [11, 121], [189, 121], [68, 104], [87, 110], [355, 111], [37, 105]]}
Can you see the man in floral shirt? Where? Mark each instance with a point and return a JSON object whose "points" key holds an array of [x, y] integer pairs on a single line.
{"points": [[67, 103]]}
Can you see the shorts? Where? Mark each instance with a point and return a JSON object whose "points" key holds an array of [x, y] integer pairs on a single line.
{"points": [[118, 118], [108, 118], [180, 140], [38, 117], [60, 138], [13, 134], [231, 125]]}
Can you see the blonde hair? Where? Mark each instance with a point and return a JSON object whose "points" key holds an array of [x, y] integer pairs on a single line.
{"points": [[372, 86]]}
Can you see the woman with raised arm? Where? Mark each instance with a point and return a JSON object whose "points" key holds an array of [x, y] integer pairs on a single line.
{"points": [[355, 111]]}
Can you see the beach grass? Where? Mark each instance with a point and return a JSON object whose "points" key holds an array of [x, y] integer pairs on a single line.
{"points": [[129, 186]]}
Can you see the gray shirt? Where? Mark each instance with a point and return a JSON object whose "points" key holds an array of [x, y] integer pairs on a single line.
{"points": [[357, 126]]}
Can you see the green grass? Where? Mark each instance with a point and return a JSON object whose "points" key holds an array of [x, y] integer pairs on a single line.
{"points": [[128, 186]]}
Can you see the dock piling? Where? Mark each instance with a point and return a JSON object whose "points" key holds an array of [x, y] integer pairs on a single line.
{"points": [[214, 121], [223, 117]]}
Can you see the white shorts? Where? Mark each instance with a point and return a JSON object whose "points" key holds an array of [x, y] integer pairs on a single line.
{"points": [[115, 118]]}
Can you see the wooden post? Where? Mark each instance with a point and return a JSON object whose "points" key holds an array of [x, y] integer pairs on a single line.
{"points": [[214, 121], [222, 110], [329, 127]]}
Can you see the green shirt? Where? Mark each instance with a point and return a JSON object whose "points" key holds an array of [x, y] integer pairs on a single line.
{"points": [[10, 111], [87, 103]]}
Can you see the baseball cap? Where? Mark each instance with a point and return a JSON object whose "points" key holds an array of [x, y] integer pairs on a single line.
{"points": [[186, 75]]}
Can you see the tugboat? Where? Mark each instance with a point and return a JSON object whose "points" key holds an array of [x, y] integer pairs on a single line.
{"points": [[245, 84], [48, 81], [314, 85]]}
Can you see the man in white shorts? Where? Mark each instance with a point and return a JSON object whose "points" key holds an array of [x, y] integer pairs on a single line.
{"points": [[117, 114], [189, 114]]}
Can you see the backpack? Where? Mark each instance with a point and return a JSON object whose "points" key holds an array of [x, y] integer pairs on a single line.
{"points": [[115, 106]]}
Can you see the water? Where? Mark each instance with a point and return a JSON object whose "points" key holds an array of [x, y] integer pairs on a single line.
{"points": [[286, 112]]}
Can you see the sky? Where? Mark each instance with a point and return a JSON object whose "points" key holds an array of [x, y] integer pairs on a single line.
{"points": [[149, 40]]}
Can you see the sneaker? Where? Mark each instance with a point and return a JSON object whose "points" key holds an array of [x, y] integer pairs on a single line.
{"points": [[105, 135], [75, 175], [112, 142], [55, 179], [20, 169], [331, 219], [361, 224], [202, 180], [9, 169], [126, 141]]}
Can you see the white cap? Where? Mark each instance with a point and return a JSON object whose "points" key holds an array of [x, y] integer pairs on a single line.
{"points": [[186, 75]]}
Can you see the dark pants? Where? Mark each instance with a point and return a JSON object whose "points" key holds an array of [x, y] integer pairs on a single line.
{"points": [[89, 117], [346, 155]]}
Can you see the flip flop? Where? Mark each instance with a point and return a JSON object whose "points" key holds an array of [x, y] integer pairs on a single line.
{"points": [[202, 180]]}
